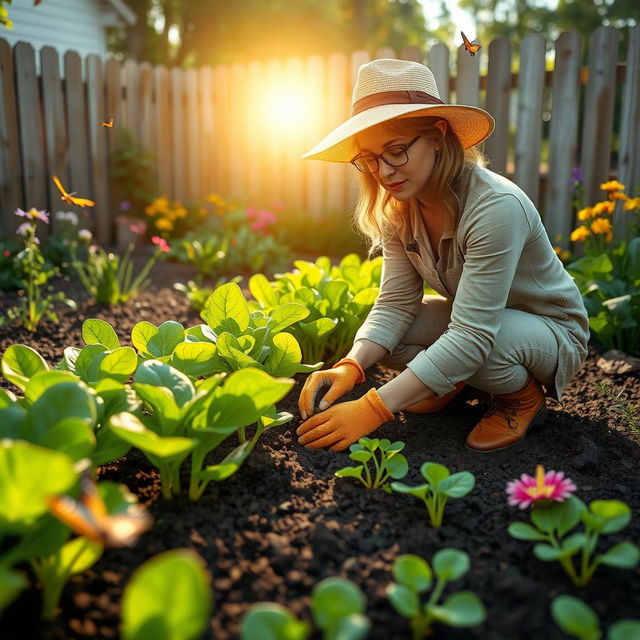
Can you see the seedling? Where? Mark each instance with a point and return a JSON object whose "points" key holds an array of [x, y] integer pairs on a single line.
{"points": [[150, 606], [579, 620], [440, 486], [414, 576], [387, 461], [337, 607], [556, 512]]}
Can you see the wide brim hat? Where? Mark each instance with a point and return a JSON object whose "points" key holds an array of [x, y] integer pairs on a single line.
{"points": [[386, 89]]}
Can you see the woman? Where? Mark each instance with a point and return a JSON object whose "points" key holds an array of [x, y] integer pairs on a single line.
{"points": [[508, 318]]}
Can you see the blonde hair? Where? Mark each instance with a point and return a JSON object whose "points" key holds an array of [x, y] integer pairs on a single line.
{"points": [[376, 207]]}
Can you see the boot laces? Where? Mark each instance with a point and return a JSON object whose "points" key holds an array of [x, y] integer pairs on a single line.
{"points": [[510, 413]]}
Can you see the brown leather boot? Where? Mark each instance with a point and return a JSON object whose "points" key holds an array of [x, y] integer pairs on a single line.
{"points": [[434, 404], [510, 417]]}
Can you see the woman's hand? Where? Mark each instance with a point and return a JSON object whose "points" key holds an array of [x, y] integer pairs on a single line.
{"points": [[340, 379], [345, 423]]}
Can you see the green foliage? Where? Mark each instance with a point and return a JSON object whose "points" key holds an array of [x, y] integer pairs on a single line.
{"points": [[29, 267], [579, 620], [620, 404], [386, 458], [337, 607], [414, 576], [552, 523], [132, 170], [610, 287], [440, 486], [198, 295], [108, 277], [339, 299], [168, 597]]}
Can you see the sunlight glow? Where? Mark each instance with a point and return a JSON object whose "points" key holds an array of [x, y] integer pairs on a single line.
{"points": [[286, 107]]}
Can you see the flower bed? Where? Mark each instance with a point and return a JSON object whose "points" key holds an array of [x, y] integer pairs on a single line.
{"points": [[283, 522]]}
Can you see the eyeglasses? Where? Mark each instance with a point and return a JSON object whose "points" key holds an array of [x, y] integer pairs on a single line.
{"points": [[394, 156]]}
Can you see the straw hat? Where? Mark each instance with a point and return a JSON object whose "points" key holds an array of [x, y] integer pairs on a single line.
{"points": [[389, 88]]}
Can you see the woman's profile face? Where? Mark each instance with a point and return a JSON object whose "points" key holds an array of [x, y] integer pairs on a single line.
{"points": [[409, 180]]}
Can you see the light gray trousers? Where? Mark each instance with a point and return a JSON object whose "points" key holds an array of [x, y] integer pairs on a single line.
{"points": [[523, 344]]}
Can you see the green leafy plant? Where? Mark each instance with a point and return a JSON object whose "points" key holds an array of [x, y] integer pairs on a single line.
{"points": [[337, 607], [414, 576], [338, 298], [551, 524], [197, 294], [168, 597], [579, 620], [33, 303], [108, 277], [386, 459], [184, 421], [621, 405], [439, 487]]}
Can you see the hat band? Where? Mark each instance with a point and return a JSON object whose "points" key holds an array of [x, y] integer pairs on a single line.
{"points": [[393, 97]]}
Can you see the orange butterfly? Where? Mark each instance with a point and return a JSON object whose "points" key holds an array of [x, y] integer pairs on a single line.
{"points": [[88, 517], [107, 124], [69, 197], [471, 48]]}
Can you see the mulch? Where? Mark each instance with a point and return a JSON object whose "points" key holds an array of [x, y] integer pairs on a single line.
{"points": [[283, 522]]}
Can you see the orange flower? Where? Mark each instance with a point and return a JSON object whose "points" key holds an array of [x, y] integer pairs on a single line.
{"points": [[631, 204], [580, 234], [585, 214], [164, 224], [563, 254], [606, 206], [601, 226], [614, 195], [612, 185]]}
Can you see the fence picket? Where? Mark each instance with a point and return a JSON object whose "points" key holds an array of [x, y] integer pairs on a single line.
{"points": [[529, 121], [563, 137], [178, 138], [163, 131], [497, 102], [468, 77], [11, 196], [192, 136]]}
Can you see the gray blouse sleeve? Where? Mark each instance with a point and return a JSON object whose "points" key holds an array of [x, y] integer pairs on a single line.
{"points": [[399, 299]]}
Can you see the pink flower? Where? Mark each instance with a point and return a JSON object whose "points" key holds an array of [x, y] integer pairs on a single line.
{"points": [[23, 229], [161, 242], [7, 254], [34, 214], [134, 228], [544, 488]]}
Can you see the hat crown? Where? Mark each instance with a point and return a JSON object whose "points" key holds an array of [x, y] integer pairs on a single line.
{"points": [[388, 74]]}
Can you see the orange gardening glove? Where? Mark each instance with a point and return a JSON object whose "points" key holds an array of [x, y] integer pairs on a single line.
{"points": [[341, 378], [344, 423]]}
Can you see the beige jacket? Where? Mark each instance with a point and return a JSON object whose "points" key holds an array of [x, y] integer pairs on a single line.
{"points": [[498, 257]]}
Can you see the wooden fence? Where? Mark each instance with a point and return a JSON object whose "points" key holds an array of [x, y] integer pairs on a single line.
{"points": [[233, 130]]}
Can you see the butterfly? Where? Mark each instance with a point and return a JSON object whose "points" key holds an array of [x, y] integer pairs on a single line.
{"points": [[471, 48], [36, 2], [69, 197], [107, 124], [89, 517]]}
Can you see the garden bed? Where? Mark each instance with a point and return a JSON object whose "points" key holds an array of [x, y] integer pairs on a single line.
{"points": [[283, 522]]}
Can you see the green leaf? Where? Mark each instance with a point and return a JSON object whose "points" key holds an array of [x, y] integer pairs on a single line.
{"points": [[226, 309], [262, 290], [398, 467], [168, 597], [96, 331], [229, 465], [318, 328], [419, 491], [404, 601], [29, 476], [86, 362], [11, 584], [160, 374], [141, 333], [615, 514], [576, 618], [286, 315], [353, 627], [77, 556], [71, 436], [271, 621], [162, 405], [457, 485], [413, 572], [195, 359], [333, 599], [621, 630], [524, 531], [118, 364], [623, 555], [547, 553], [434, 473], [43, 380], [350, 472], [361, 456], [20, 363], [450, 564], [164, 341], [284, 357], [462, 609]]}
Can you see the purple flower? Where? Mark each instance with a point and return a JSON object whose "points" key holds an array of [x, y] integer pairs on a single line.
{"points": [[577, 175], [34, 214], [125, 205], [23, 229]]}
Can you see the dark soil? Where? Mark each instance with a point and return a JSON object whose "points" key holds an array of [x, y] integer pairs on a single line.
{"points": [[284, 522]]}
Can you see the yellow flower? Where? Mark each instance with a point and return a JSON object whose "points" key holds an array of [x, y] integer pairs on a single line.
{"points": [[563, 254], [612, 185], [609, 237], [585, 214], [180, 212], [606, 206], [161, 204], [150, 210], [215, 199], [614, 195], [580, 234], [601, 226], [164, 224], [631, 204]]}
